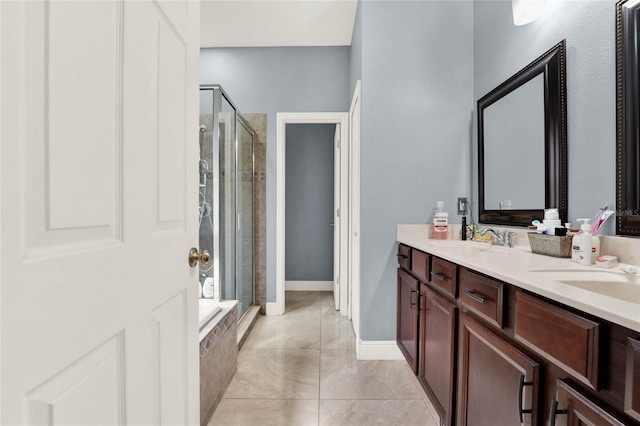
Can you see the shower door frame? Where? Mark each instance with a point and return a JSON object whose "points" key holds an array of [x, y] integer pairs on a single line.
{"points": [[218, 95], [243, 122]]}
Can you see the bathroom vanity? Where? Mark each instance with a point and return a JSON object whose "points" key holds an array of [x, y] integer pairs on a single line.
{"points": [[502, 336]]}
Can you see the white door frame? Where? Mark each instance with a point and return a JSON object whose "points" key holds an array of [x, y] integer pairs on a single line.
{"points": [[341, 118], [354, 208], [337, 222]]}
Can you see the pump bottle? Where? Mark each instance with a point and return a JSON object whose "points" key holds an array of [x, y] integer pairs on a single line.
{"points": [[440, 223], [586, 246]]}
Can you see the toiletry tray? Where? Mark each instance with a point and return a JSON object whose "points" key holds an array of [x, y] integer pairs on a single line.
{"points": [[550, 245]]}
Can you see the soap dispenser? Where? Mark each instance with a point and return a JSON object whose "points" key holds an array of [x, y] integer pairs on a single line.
{"points": [[586, 246]]}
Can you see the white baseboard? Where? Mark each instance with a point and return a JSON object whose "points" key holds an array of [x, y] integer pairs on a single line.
{"points": [[274, 309], [308, 285], [378, 350]]}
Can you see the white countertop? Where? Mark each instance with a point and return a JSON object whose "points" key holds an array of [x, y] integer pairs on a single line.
{"points": [[516, 265]]}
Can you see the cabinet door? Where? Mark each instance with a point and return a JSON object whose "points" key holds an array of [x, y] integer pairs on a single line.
{"points": [[574, 409], [498, 384], [437, 351], [407, 318]]}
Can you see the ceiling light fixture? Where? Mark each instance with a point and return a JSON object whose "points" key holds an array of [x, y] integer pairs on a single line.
{"points": [[525, 11]]}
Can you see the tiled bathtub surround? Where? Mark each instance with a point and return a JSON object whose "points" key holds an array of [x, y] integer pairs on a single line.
{"points": [[218, 358], [301, 369]]}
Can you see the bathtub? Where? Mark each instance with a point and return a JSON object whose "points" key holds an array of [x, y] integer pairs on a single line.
{"points": [[208, 309]]}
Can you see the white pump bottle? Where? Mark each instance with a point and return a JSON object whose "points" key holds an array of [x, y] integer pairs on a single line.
{"points": [[586, 246]]}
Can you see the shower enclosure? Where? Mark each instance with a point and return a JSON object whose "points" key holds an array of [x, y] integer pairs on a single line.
{"points": [[226, 197]]}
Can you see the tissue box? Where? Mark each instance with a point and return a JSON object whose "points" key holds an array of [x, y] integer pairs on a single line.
{"points": [[550, 245]]}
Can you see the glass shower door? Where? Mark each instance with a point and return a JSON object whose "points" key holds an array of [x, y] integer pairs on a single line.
{"points": [[206, 184], [244, 248], [226, 125]]}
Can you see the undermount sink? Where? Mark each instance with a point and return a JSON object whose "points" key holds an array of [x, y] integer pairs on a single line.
{"points": [[609, 283]]}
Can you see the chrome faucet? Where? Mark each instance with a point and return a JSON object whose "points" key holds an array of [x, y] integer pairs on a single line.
{"points": [[501, 238]]}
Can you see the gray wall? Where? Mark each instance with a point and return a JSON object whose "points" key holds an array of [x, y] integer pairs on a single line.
{"points": [[417, 100], [279, 79], [309, 202], [355, 66], [501, 49]]}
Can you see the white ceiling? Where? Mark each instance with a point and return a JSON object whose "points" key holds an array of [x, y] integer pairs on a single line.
{"points": [[262, 23]]}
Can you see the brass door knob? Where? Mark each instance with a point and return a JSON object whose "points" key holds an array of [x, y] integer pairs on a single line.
{"points": [[195, 257]]}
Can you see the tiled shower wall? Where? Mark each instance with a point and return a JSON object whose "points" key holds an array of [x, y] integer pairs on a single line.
{"points": [[259, 124]]}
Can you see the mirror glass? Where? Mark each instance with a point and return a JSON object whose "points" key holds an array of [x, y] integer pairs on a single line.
{"points": [[522, 144], [628, 110], [515, 126]]}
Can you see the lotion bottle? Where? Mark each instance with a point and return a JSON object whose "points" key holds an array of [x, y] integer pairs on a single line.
{"points": [[586, 245]]}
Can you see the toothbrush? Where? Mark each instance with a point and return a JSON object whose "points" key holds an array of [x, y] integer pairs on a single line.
{"points": [[605, 215], [597, 221]]}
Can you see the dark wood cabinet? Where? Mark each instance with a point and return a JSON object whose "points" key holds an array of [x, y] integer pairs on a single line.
{"points": [[632, 379], [572, 408], [569, 339], [407, 318], [487, 352], [498, 384], [437, 342], [482, 295]]}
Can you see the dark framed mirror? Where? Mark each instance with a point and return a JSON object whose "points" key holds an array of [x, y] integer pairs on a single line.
{"points": [[627, 117], [522, 144]]}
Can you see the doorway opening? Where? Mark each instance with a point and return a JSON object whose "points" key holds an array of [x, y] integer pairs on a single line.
{"points": [[310, 188], [340, 209]]}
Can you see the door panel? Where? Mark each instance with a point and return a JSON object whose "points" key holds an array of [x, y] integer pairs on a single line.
{"points": [[407, 318], [69, 397], [99, 130], [493, 375], [437, 350], [63, 212]]}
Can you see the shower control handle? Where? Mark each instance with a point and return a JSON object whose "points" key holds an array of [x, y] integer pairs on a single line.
{"points": [[195, 257]]}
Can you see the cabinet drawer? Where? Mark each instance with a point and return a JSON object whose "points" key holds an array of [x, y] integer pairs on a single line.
{"points": [[420, 265], [565, 338], [404, 256], [483, 295], [444, 275], [576, 408]]}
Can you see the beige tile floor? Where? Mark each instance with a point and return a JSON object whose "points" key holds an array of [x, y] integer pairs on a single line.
{"points": [[301, 369]]}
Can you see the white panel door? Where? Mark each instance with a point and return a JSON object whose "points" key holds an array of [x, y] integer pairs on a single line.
{"points": [[98, 188]]}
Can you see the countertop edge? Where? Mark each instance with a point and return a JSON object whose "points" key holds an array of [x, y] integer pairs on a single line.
{"points": [[514, 265]]}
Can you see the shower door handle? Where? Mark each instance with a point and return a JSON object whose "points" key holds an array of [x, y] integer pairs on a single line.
{"points": [[195, 257]]}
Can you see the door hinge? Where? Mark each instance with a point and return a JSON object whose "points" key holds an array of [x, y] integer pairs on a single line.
{"points": [[338, 212], [338, 281], [338, 141]]}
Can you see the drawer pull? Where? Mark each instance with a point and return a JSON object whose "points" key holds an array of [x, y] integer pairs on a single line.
{"points": [[553, 411], [438, 276], [521, 410], [411, 302], [474, 296], [401, 256]]}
